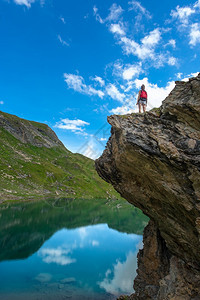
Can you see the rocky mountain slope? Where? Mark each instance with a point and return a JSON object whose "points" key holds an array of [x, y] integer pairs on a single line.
{"points": [[153, 161], [34, 164]]}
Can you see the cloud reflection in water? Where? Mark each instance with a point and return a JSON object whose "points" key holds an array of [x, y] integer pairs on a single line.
{"points": [[120, 278], [59, 256]]}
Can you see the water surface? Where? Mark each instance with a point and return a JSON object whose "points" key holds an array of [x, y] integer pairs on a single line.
{"points": [[68, 252]]}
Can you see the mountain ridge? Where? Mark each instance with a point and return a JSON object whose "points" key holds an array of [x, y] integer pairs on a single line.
{"points": [[34, 164], [35, 133]]}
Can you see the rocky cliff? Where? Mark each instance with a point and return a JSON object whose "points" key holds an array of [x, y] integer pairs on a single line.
{"points": [[153, 161]]}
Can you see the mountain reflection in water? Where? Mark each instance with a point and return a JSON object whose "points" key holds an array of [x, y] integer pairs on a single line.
{"points": [[57, 252]]}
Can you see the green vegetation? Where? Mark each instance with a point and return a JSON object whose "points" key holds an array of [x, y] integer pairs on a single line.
{"points": [[156, 111], [34, 171], [128, 115]]}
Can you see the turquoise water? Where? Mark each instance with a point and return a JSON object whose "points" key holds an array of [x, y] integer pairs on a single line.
{"points": [[86, 262]]}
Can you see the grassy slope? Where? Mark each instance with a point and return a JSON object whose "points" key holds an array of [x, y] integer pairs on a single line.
{"points": [[28, 171]]}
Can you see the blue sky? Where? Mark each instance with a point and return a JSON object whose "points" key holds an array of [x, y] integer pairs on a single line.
{"points": [[70, 64]]}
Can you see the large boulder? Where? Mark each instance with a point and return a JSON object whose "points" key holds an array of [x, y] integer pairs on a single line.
{"points": [[153, 161]]}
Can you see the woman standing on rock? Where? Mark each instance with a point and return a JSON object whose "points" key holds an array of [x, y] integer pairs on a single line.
{"points": [[142, 99]]}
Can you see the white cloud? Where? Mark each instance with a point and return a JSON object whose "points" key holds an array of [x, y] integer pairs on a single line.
{"points": [[152, 39], [59, 256], [194, 74], [1, 102], [136, 6], [77, 83], [150, 47], [97, 16], [186, 78], [197, 4], [124, 274], [172, 61], [126, 72], [129, 86], [24, 2], [62, 41], [141, 13], [131, 47], [194, 34], [115, 12], [129, 104], [160, 59], [171, 43], [182, 13], [73, 125], [131, 71], [93, 91], [124, 109], [114, 93], [179, 75], [155, 94], [117, 68], [117, 28], [144, 53], [99, 80], [147, 47], [102, 139], [95, 10], [63, 20], [188, 24]]}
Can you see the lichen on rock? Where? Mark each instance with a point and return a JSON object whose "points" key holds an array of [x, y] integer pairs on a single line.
{"points": [[153, 161]]}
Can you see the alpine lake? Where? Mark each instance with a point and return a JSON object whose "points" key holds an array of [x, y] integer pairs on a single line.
{"points": [[69, 249]]}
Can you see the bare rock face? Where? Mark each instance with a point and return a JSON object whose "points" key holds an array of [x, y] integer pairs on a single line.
{"points": [[153, 161]]}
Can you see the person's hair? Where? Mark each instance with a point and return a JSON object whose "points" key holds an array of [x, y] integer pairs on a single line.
{"points": [[142, 86]]}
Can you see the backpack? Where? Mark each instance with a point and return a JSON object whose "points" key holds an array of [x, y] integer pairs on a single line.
{"points": [[143, 94]]}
